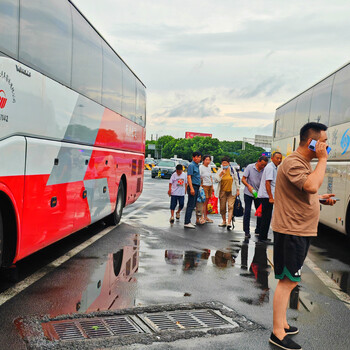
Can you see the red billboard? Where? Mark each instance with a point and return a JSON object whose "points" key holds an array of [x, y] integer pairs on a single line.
{"points": [[191, 135]]}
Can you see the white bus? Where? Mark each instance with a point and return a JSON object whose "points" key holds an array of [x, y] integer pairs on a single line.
{"points": [[326, 102]]}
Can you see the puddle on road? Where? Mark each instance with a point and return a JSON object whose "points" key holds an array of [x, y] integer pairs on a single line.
{"points": [[161, 220], [118, 280], [341, 278], [99, 285], [339, 272], [330, 251]]}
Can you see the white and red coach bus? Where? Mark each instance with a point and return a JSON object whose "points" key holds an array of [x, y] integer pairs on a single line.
{"points": [[72, 127]]}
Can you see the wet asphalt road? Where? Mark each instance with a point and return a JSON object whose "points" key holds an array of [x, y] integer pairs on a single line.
{"points": [[174, 265]]}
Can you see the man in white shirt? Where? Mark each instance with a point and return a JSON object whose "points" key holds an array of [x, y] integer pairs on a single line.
{"points": [[266, 194]]}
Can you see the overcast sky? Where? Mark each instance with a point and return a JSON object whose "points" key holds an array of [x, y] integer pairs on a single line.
{"points": [[223, 66]]}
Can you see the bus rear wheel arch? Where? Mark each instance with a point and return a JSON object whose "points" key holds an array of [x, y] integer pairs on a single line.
{"points": [[8, 231], [114, 218], [347, 221]]}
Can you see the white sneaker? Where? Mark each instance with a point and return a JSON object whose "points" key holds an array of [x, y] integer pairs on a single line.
{"points": [[189, 225]]}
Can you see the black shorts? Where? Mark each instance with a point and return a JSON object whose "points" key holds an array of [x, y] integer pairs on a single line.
{"points": [[289, 254]]}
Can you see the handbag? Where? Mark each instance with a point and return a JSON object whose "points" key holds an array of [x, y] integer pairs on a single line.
{"points": [[238, 208]]}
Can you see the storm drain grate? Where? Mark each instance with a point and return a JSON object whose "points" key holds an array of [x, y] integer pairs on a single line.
{"points": [[209, 318], [186, 319], [95, 328], [91, 328], [146, 322], [67, 331], [122, 326]]}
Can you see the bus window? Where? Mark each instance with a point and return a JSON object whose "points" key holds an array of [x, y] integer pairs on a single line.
{"points": [[87, 58], [46, 38], [302, 111], [112, 80], [275, 130], [321, 99], [288, 118], [129, 94], [340, 105], [140, 103], [278, 132], [9, 25]]}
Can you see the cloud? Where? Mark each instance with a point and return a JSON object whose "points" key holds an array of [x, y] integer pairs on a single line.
{"points": [[185, 108], [251, 115], [267, 87]]}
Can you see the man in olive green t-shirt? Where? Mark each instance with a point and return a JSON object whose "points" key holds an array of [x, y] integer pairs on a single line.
{"points": [[294, 221]]}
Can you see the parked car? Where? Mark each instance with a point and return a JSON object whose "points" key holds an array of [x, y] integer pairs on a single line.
{"points": [[185, 163], [150, 161], [235, 165], [164, 168], [213, 166]]}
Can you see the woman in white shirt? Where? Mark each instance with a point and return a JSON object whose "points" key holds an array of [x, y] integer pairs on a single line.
{"points": [[207, 184]]}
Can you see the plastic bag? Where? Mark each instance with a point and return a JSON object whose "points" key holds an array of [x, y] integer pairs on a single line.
{"points": [[201, 196], [258, 212], [213, 204]]}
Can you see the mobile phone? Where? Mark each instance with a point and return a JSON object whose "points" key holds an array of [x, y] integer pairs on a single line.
{"points": [[312, 146], [334, 198]]}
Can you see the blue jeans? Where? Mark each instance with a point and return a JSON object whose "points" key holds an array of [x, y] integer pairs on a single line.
{"points": [[247, 209], [191, 203]]}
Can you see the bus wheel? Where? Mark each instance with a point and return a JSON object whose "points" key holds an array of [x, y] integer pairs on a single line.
{"points": [[115, 217], [347, 222], [1, 239]]}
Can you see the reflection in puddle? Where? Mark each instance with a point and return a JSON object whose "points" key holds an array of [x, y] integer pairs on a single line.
{"points": [[342, 279], [226, 257], [190, 259], [260, 270], [111, 285], [106, 289], [193, 259], [174, 257], [299, 298]]}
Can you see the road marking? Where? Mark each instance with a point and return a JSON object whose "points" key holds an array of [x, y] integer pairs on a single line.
{"points": [[328, 282], [27, 282]]}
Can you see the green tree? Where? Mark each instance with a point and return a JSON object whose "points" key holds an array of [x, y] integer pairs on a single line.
{"points": [[184, 148]]}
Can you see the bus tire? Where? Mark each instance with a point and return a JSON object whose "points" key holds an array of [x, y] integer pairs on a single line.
{"points": [[114, 218], [1, 239], [347, 221]]}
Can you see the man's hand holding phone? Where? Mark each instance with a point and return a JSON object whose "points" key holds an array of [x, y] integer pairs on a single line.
{"points": [[328, 199], [321, 150]]}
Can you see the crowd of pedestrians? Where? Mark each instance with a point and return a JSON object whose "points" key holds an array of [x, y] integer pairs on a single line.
{"points": [[287, 195]]}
